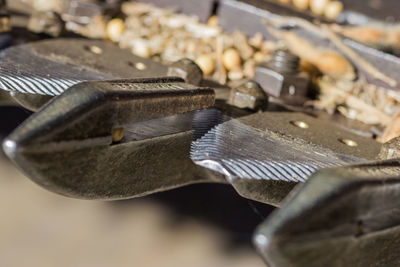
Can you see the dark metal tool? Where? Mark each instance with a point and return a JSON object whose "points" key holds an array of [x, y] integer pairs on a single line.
{"points": [[262, 155], [89, 142], [127, 138], [65, 62], [340, 217]]}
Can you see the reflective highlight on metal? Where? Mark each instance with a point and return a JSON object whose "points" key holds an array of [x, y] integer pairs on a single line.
{"points": [[237, 150]]}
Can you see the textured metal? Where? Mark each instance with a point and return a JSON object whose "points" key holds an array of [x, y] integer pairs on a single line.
{"points": [[67, 146], [248, 95], [237, 150], [268, 146], [50, 67], [341, 217]]}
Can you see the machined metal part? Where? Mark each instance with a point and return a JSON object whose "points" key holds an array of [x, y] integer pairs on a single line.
{"points": [[280, 146], [340, 217], [65, 62], [77, 128], [282, 78], [248, 95], [187, 70]]}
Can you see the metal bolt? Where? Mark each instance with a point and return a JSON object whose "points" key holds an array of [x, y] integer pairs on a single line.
{"points": [[285, 62], [187, 70], [248, 95], [281, 77]]}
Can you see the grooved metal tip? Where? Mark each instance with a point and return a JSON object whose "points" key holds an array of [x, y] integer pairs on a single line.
{"points": [[237, 150]]}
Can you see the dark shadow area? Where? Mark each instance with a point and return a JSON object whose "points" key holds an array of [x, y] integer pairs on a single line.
{"points": [[217, 204], [10, 118]]}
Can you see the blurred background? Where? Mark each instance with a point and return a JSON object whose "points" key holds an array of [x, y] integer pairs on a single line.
{"points": [[199, 225]]}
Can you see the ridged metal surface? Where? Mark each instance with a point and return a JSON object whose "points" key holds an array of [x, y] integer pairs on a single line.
{"points": [[199, 121], [237, 150], [23, 71]]}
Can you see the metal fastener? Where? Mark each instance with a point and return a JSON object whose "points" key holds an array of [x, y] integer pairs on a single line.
{"points": [[282, 78]]}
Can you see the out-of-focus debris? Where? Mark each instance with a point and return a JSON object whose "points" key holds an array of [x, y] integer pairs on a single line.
{"points": [[46, 5], [96, 28], [365, 65], [241, 43], [301, 4], [47, 22], [165, 35], [357, 100], [333, 9], [318, 6], [213, 21], [231, 59], [325, 31], [89, 17], [141, 48], [328, 61], [206, 63], [392, 130], [115, 28], [248, 95], [81, 11], [375, 34], [322, 8]]}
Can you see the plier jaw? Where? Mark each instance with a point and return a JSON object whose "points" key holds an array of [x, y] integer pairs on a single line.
{"points": [[76, 145]]}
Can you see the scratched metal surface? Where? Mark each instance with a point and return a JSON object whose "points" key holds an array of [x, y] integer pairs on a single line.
{"points": [[237, 150], [50, 67]]}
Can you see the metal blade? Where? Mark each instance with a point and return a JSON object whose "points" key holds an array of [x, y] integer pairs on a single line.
{"points": [[238, 149], [50, 67]]}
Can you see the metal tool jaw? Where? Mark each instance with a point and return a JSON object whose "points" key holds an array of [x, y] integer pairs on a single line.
{"points": [[66, 62], [349, 215], [75, 145]]}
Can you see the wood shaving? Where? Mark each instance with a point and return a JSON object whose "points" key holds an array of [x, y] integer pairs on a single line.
{"points": [[172, 36]]}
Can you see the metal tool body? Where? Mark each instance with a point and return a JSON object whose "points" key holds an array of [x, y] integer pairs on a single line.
{"points": [[67, 146], [349, 215], [76, 130], [74, 146], [65, 62]]}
